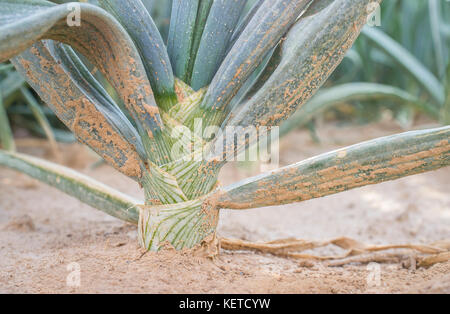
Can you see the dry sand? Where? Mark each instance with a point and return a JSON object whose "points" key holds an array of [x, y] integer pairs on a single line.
{"points": [[42, 231]]}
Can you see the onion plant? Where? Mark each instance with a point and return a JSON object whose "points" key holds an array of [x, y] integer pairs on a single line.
{"points": [[246, 64]]}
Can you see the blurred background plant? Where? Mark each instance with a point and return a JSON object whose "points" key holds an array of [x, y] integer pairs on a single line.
{"points": [[21, 108], [399, 66]]}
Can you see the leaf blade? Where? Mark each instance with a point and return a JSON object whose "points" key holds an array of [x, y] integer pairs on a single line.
{"points": [[202, 16], [137, 21], [56, 86], [313, 48], [222, 19], [181, 36], [264, 31], [27, 21], [83, 188], [371, 162]]}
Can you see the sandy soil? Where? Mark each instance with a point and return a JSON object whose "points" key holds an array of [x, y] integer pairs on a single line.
{"points": [[43, 231]]}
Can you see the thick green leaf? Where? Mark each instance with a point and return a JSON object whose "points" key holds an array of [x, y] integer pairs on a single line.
{"points": [[93, 87], [101, 39], [139, 24], [60, 85], [372, 162], [161, 12], [346, 93], [89, 86], [314, 47], [85, 189], [181, 36], [244, 22], [222, 19], [202, 17], [408, 62], [273, 63], [255, 78], [261, 35], [6, 135]]}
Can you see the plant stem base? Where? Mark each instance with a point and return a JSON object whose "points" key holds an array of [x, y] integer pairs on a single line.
{"points": [[181, 225]]}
